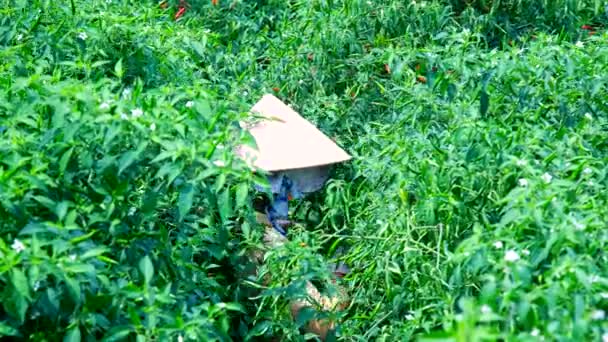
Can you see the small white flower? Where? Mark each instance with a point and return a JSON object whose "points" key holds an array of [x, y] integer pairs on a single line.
{"points": [[18, 246], [19, 37], [604, 295], [525, 252], [108, 1], [137, 112], [409, 317], [73, 257], [590, 183], [37, 285], [422, 4], [132, 211], [588, 116], [605, 337], [104, 106], [189, 104], [126, 93], [521, 162], [245, 94], [523, 182], [498, 244], [124, 116], [466, 254], [547, 178], [180, 338], [153, 127], [486, 309], [535, 332], [83, 35], [579, 44], [301, 81], [466, 31], [577, 225], [594, 279], [252, 80], [511, 255], [369, 3], [587, 171], [598, 315]]}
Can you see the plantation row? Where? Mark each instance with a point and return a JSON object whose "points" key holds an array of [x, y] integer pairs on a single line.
{"points": [[474, 207]]}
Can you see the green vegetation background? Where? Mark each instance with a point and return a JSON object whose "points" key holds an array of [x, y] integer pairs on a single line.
{"points": [[475, 207]]}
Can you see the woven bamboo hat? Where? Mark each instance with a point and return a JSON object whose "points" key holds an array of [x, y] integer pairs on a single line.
{"points": [[287, 141]]}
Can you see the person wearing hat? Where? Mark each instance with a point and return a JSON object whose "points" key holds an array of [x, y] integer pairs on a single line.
{"points": [[297, 157]]}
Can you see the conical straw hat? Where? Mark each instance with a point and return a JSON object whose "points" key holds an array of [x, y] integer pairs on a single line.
{"points": [[287, 141]]}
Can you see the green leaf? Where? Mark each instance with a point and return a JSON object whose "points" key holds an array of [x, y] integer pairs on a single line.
{"points": [[118, 70], [241, 194], [305, 315], [96, 251], [198, 48], [117, 334], [16, 306], [74, 289], [484, 103], [225, 206], [260, 329], [79, 268], [128, 158], [246, 229], [73, 335], [61, 210], [7, 330], [231, 306], [185, 200], [19, 280], [146, 268], [65, 158]]}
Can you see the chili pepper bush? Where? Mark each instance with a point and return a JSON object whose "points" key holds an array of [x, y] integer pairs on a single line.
{"points": [[474, 209]]}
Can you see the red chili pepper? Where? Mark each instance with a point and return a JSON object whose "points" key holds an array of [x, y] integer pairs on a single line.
{"points": [[214, 2], [180, 12], [421, 79], [276, 89], [387, 68], [587, 27]]}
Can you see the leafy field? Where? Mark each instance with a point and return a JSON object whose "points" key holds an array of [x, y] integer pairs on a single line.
{"points": [[474, 208]]}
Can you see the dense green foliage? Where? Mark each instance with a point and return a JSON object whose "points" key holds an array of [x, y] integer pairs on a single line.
{"points": [[474, 207]]}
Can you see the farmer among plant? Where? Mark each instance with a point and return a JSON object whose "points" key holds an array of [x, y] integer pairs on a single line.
{"points": [[297, 157]]}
